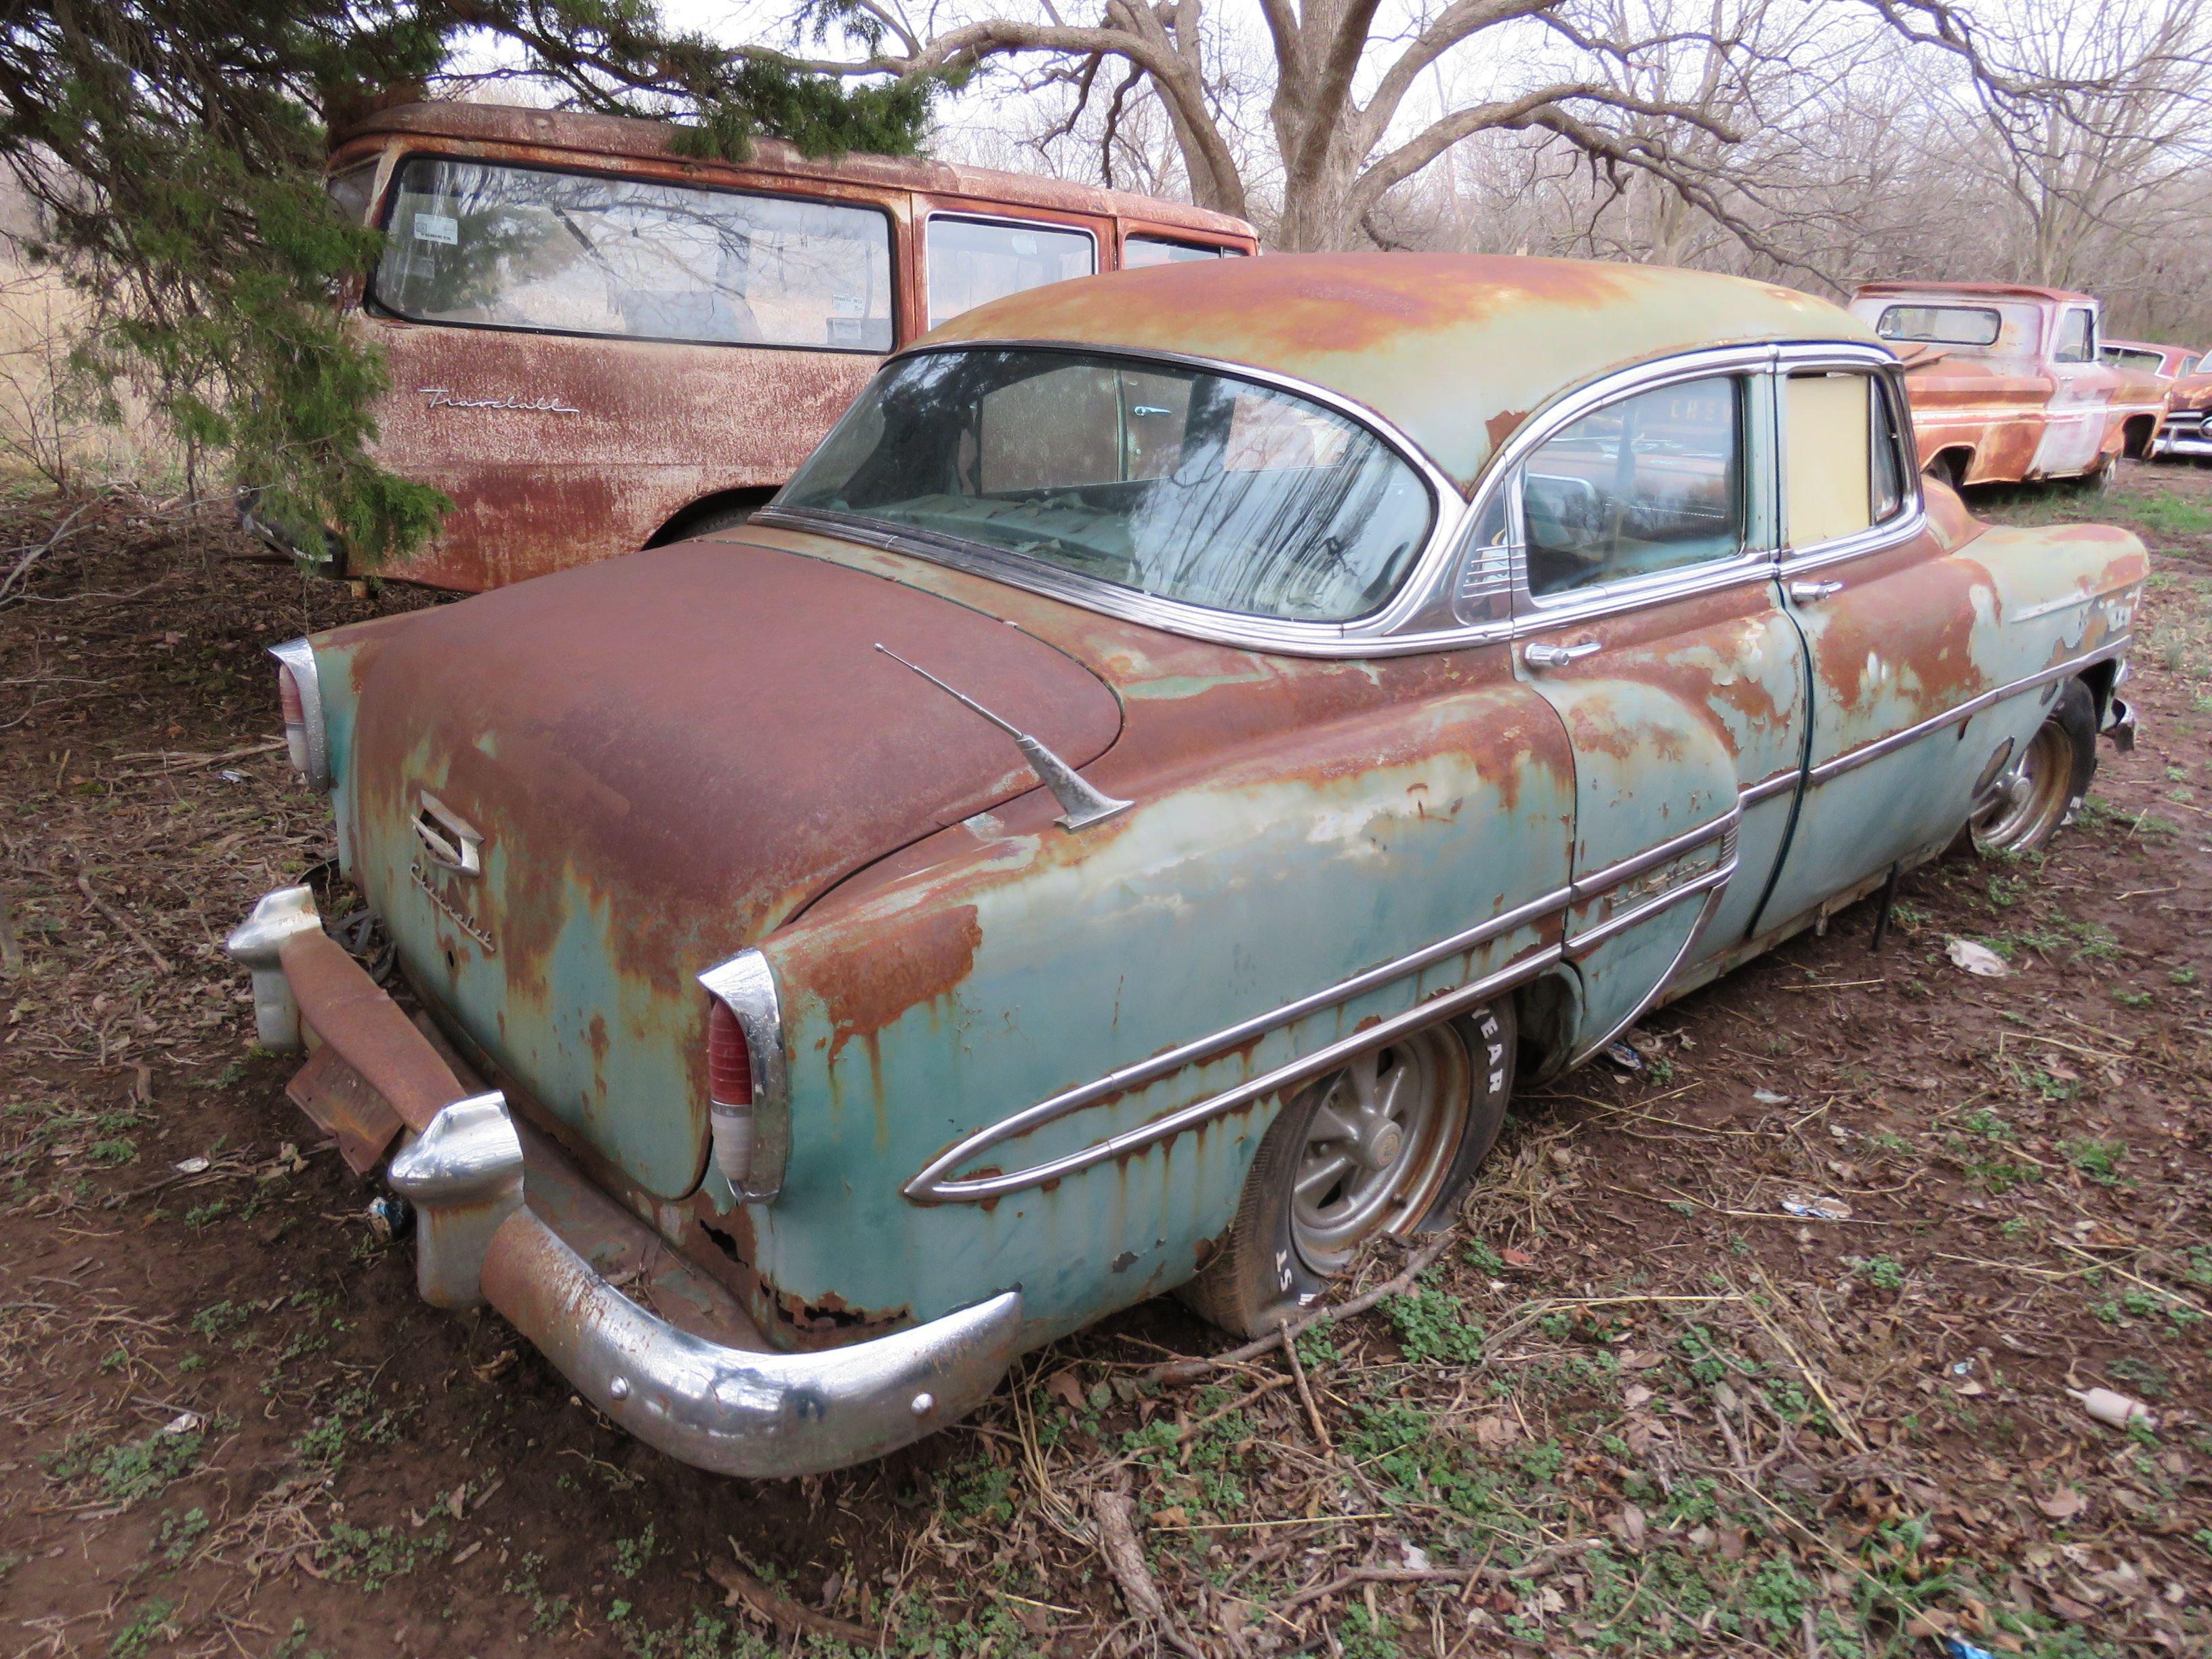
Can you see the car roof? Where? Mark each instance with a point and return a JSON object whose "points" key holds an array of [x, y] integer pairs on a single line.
{"points": [[628, 138], [1980, 291], [1454, 349]]}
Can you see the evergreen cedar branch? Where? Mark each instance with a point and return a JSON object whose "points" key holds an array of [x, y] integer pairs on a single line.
{"points": [[175, 150]]}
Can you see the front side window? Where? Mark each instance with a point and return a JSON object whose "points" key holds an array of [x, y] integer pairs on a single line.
{"points": [[350, 191], [1140, 251], [973, 262], [2076, 342], [1844, 461], [1193, 486], [586, 253], [1959, 325], [1653, 482]]}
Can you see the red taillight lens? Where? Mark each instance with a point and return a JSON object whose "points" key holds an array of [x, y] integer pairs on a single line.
{"points": [[729, 1061], [287, 698]]}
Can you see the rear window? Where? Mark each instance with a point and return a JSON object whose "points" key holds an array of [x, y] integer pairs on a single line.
{"points": [[1140, 251], [2121, 357], [586, 253], [973, 262], [1964, 326], [1177, 482]]}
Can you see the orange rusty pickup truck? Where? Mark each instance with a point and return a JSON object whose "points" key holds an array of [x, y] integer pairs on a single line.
{"points": [[598, 344], [2005, 381]]}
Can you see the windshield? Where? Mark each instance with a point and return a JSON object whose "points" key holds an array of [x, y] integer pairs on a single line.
{"points": [[1182, 483]]}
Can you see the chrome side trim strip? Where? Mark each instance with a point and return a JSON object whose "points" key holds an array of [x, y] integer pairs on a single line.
{"points": [[936, 1184], [1590, 887], [930, 1182], [1697, 932], [1718, 876], [1851, 759], [1780, 784]]}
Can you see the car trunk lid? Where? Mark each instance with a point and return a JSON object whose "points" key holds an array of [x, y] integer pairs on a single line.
{"points": [[660, 758]]}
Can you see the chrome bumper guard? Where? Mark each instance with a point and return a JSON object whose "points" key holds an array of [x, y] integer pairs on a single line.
{"points": [[736, 1411], [2120, 724]]}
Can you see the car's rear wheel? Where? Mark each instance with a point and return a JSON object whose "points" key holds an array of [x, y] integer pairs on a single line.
{"points": [[1386, 1145], [2029, 803]]}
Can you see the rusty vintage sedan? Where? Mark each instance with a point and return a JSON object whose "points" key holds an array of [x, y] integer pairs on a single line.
{"points": [[1125, 817]]}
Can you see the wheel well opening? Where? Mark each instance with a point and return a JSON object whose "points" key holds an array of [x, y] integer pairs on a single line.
{"points": [[1546, 1012], [1951, 464], [698, 517], [2136, 436]]}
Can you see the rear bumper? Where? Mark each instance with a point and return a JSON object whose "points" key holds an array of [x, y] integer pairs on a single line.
{"points": [[494, 1201]]}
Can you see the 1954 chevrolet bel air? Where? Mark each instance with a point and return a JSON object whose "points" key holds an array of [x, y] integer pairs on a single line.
{"points": [[1124, 818]]}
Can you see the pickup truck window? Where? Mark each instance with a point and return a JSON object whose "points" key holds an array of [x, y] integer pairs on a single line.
{"points": [[974, 261], [1843, 456], [1194, 486], [1966, 325], [1652, 482], [1159, 251], [2077, 341], [350, 189], [589, 253]]}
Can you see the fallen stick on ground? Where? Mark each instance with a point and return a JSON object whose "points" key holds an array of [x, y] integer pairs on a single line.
{"points": [[785, 1613], [124, 922], [1115, 1515]]}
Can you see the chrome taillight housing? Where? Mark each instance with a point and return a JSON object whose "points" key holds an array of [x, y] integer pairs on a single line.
{"points": [[299, 694], [749, 1118]]}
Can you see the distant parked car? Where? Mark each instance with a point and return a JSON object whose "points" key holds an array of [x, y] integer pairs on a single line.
{"points": [[1216, 727], [2160, 362], [2187, 428], [2006, 381], [597, 343]]}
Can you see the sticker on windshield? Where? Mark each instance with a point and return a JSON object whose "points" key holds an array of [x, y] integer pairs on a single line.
{"points": [[438, 227]]}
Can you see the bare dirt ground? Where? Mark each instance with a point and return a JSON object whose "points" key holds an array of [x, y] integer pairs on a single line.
{"points": [[1637, 1405]]}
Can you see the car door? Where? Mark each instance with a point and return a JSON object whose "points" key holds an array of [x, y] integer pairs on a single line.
{"points": [[1894, 628], [2082, 393], [1645, 613]]}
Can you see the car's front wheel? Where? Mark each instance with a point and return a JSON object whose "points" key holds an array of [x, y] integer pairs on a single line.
{"points": [[1387, 1144], [2029, 803]]}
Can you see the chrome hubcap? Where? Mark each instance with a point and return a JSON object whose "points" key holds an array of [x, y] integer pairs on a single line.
{"points": [[1379, 1146], [2027, 803]]}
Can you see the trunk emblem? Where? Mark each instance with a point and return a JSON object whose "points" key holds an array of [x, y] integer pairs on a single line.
{"points": [[448, 839]]}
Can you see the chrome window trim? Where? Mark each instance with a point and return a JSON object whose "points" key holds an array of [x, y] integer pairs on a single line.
{"points": [[745, 984], [1851, 759], [299, 656], [1911, 517], [929, 318], [1370, 636]]}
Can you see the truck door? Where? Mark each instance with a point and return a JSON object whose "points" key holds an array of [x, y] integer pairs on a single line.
{"points": [[575, 356], [1646, 615], [2080, 398]]}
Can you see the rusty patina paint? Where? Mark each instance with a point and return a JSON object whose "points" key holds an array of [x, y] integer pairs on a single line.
{"points": [[558, 450], [1440, 345]]}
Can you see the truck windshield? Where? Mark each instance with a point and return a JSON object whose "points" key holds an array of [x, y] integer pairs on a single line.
{"points": [[1178, 481], [591, 253]]}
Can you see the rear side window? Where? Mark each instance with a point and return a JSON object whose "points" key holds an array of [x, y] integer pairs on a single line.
{"points": [[1965, 326], [974, 261], [1140, 251], [585, 253], [1844, 456], [1652, 482], [2150, 363]]}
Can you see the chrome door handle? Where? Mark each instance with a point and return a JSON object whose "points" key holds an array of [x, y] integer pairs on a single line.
{"points": [[1806, 593], [1556, 656]]}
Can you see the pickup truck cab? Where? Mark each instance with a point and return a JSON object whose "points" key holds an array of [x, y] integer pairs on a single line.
{"points": [[2006, 382], [597, 343]]}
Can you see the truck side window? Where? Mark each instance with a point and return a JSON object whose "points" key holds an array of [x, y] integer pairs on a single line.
{"points": [[591, 253], [1140, 251], [2075, 341], [974, 261], [1652, 482]]}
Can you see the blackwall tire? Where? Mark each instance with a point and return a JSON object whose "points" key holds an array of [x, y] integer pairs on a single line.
{"points": [[1330, 1178]]}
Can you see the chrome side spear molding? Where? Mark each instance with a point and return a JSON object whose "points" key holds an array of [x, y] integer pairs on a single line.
{"points": [[1081, 803]]}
